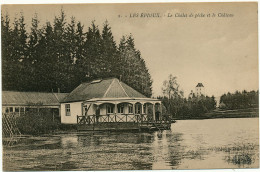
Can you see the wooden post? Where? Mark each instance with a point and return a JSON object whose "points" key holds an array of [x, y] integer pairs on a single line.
{"points": [[161, 111], [59, 112], [19, 110], [134, 108], [82, 113], [52, 115], [154, 112], [115, 110]]}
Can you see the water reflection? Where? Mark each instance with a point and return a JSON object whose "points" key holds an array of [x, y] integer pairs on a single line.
{"points": [[240, 155], [69, 141], [189, 145]]}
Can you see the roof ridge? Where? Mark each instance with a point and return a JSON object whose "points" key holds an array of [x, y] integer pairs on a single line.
{"points": [[122, 88], [102, 79], [109, 88]]}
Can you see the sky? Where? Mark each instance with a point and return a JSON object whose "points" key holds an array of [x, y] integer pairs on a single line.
{"points": [[220, 52]]}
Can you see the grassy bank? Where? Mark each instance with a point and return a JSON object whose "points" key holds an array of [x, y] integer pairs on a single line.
{"points": [[239, 113]]}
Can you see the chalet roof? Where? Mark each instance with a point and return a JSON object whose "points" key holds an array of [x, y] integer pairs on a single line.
{"points": [[199, 85], [108, 88], [16, 98]]}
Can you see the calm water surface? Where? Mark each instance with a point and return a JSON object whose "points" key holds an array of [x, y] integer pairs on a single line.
{"points": [[191, 144]]}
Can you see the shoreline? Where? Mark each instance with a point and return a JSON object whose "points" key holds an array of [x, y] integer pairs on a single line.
{"points": [[179, 119], [216, 114]]}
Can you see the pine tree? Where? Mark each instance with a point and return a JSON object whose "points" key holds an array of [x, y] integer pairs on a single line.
{"points": [[134, 71], [6, 31], [32, 59], [46, 60], [22, 69], [71, 54], [92, 55], [60, 70], [78, 67], [109, 53], [14, 52]]}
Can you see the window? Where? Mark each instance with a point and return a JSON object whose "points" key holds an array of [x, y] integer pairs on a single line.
{"points": [[6, 110], [16, 109], [144, 109], [21, 109], [11, 109], [120, 108], [27, 109], [67, 109], [130, 108], [110, 109], [138, 109]]}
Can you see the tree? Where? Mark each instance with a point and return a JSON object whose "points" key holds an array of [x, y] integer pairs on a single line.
{"points": [[78, 67], [92, 55], [7, 48], [30, 63], [240, 100], [174, 95], [109, 52], [171, 88], [132, 67], [14, 48], [70, 55], [60, 67]]}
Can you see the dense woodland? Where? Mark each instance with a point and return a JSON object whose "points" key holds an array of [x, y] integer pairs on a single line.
{"points": [[61, 55], [239, 100]]}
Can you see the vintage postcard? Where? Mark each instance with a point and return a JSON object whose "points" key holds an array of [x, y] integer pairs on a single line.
{"points": [[133, 86]]}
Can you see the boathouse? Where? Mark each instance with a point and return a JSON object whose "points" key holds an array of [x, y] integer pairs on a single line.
{"points": [[108, 101], [105, 97]]}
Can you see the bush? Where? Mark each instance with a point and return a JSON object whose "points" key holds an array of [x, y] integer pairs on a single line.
{"points": [[38, 122]]}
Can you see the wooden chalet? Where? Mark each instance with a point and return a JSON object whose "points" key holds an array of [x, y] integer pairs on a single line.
{"points": [[110, 104]]}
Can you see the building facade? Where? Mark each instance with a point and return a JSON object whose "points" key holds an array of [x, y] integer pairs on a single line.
{"points": [[199, 90]]}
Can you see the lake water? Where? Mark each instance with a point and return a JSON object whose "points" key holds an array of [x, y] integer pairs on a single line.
{"points": [[190, 144]]}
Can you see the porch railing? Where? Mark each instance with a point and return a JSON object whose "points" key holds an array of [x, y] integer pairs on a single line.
{"points": [[110, 118]]}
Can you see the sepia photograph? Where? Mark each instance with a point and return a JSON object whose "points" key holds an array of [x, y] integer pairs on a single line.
{"points": [[130, 86]]}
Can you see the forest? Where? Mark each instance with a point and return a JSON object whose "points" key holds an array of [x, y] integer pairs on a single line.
{"points": [[60, 55], [239, 100]]}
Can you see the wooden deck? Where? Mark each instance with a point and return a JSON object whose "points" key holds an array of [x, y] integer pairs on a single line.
{"points": [[122, 122]]}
